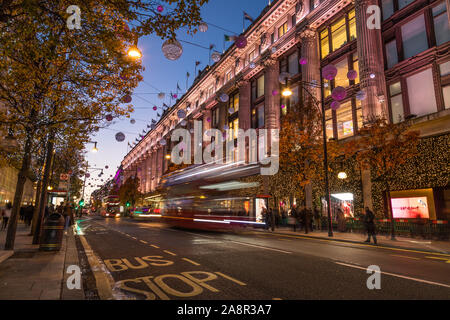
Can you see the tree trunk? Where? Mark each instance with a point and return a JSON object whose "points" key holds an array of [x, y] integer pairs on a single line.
{"points": [[44, 193], [36, 207], [391, 213], [21, 180]]}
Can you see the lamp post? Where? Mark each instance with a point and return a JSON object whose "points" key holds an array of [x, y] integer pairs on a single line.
{"points": [[288, 92]]}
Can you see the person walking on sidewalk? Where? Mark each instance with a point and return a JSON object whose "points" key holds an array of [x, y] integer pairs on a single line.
{"points": [[295, 216], [317, 219], [6, 215], [271, 218], [369, 222]]}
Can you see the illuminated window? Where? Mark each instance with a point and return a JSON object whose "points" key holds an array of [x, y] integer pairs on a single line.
{"points": [[338, 34], [356, 66], [234, 129], [359, 115], [324, 43], [260, 87], [421, 96], [234, 102], [282, 30], [395, 93], [341, 77], [329, 123], [352, 24], [326, 88], [344, 120]]}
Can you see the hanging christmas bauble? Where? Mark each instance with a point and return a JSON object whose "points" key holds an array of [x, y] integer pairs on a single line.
{"points": [[284, 76], [127, 99], [160, 8], [241, 42], [224, 97], [372, 76], [215, 56], [191, 130], [161, 95], [352, 75], [109, 117], [339, 93], [88, 175], [225, 127], [361, 95], [303, 61], [283, 106], [163, 142], [183, 123], [172, 49], [231, 110], [181, 114], [106, 167], [275, 92], [132, 121], [203, 27], [120, 137], [274, 49], [329, 72], [252, 65], [208, 119], [335, 105], [175, 96]]}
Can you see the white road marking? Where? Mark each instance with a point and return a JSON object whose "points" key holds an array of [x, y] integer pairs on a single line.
{"points": [[261, 247], [397, 275], [190, 261]]}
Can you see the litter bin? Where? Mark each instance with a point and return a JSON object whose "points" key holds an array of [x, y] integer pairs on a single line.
{"points": [[52, 233]]}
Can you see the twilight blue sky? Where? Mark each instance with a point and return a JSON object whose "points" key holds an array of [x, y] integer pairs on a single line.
{"points": [[164, 74]]}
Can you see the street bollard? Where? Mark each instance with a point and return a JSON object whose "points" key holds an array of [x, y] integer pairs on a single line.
{"points": [[52, 233]]}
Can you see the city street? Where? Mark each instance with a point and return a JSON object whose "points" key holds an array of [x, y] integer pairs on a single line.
{"points": [[149, 260]]}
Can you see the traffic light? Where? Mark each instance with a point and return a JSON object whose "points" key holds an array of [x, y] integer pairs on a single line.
{"points": [[128, 204], [81, 203]]}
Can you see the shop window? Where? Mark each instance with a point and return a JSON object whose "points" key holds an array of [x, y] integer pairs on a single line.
{"points": [[341, 77], [414, 37], [422, 100], [441, 27], [388, 8], [282, 30], [344, 120], [391, 54], [329, 123], [234, 129], [395, 94], [338, 34], [324, 43], [326, 88]]}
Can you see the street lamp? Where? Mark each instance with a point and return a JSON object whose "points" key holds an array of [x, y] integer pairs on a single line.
{"points": [[287, 92], [342, 175], [94, 149], [134, 53]]}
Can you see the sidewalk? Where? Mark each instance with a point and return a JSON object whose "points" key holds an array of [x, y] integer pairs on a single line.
{"points": [[29, 274], [383, 240]]}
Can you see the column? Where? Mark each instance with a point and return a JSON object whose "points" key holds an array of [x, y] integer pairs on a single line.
{"points": [[272, 103], [244, 105], [310, 73], [310, 70], [370, 55]]}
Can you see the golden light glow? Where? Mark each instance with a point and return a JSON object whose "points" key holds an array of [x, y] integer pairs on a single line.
{"points": [[287, 92], [94, 150], [49, 188], [134, 53], [168, 157], [342, 175]]}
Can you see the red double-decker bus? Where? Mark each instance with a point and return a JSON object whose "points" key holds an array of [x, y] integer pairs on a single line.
{"points": [[110, 207]]}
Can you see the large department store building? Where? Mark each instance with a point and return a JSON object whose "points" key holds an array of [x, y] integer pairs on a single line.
{"points": [[404, 68]]}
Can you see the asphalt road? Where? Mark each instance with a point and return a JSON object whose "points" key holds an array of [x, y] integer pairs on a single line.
{"points": [[148, 260]]}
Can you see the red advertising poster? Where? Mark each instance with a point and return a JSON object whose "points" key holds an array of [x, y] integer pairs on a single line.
{"points": [[410, 208]]}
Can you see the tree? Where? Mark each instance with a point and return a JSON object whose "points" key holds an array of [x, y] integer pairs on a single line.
{"points": [[301, 151], [54, 78], [383, 147], [129, 191]]}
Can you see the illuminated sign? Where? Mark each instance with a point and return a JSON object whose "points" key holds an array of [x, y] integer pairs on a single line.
{"points": [[410, 208]]}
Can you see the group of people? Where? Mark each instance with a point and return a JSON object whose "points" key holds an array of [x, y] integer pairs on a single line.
{"points": [[5, 214], [303, 219]]}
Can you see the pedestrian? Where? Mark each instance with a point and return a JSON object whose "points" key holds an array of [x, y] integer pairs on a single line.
{"points": [[6, 215], [271, 218], [369, 221], [420, 226], [283, 216], [265, 217], [64, 211], [295, 216], [317, 219], [29, 214], [341, 220], [22, 213]]}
